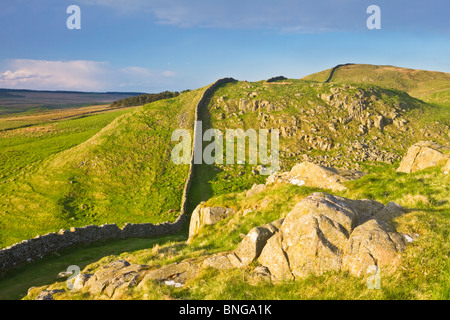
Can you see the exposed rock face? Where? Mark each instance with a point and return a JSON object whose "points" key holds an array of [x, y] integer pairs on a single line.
{"points": [[424, 154], [206, 216], [324, 233], [313, 175]]}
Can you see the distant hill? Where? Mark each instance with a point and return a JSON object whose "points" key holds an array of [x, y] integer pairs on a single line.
{"points": [[429, 86], [13, 101]]}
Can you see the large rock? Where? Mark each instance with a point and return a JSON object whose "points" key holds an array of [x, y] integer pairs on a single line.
{"points": [[250, 248], [275, 259], [424, 154], [313, 175], [206, 216], [328, 233], [372, 243]]}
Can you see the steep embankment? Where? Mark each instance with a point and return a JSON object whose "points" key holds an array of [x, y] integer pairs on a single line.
{"points": [[429, 86], [123, 174]]}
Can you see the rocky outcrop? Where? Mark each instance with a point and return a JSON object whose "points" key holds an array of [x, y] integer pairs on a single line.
{"points": [[313, 175], [206, 216], [328, 233], [424, 154], [250, 248], [113, 277]]}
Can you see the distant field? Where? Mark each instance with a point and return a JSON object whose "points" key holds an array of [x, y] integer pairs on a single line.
{"points": [[13, 101], [26, 119], [82, 169]]}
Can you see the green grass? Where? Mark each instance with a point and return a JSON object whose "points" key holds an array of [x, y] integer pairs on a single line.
{"points": [[424, 273], [429, 86], [122, 174], [23, 149]]}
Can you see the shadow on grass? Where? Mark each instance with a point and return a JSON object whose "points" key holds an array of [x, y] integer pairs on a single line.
{"points": [[15, 284]]}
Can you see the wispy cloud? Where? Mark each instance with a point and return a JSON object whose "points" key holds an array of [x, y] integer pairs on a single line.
{"points": [[232, 14], [80, 75]]}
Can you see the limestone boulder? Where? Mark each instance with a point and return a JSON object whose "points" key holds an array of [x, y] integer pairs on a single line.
{"points": [[324, 177], [48, 294], [424, 154]]}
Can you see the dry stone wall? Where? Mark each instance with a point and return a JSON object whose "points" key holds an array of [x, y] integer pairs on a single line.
{"points": [[43, 245]]}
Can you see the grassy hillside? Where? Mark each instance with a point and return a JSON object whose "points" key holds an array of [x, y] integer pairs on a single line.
{"points": [[429, 86], [121, 174], [425, 273], [331, 124]]}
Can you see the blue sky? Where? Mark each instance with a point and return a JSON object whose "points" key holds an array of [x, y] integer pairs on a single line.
{"points": [[154, 45]]}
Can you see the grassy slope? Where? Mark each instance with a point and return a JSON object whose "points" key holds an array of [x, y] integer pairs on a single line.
{"points": [[425, 272], [429, 86], [122, 174], [426, 269]]}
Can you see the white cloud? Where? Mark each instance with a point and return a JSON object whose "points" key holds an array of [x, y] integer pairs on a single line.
{"points": [[80, 75]]}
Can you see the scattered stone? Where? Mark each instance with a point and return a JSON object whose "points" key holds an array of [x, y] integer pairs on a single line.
{"points": [[251, 246], [81, 280], [220, 261]]}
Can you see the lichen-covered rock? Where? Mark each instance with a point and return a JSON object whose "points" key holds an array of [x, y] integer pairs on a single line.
{"points": [[390, 211], [424, 154], [221, 261], [206, 216], [328, 233], [80, 281], [372, 243], [251, 246], [275, 259], [112, 276]]}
